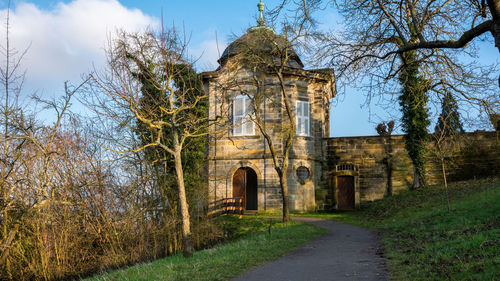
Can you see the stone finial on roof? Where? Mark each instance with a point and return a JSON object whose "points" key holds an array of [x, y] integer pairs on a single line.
{"points": [[261, 21]]}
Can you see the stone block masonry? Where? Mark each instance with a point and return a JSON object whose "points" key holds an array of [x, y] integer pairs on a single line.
{"points": [[382, 165], [248, 93]]}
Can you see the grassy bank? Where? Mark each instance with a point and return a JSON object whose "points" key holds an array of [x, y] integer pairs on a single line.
{"points": [[425, 241], [252, 245]]}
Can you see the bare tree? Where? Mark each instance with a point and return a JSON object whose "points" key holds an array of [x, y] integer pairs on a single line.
{"points": [[369, 43], [376, 46], [264, 55], [488, 10], [437, 24], [261, 65], [30, 179], [66, 209], [11, 79], [446, 138], [144, 66], [445, 147]]}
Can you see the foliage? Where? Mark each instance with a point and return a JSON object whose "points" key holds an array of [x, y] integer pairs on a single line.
{"points": [[151, 90], [378, 43], [446, 135], [413, 101], [385, 129], [449, 120], [194, 153], [495, 120], [71, 212], [70, 205], [226, 261]]}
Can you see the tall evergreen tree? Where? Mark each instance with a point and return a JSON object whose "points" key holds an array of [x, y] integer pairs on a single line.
{"points": [[449, 120], [169, 105], [193, 157]]}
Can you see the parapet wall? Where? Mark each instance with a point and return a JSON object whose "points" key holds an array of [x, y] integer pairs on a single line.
{"points": [[382, 162]]}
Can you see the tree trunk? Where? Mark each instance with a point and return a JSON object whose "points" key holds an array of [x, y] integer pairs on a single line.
{"points": [[443, 169], [284, 192], [416, 178], [415, 119], [388, 167], [187, 240], [494, 6]]}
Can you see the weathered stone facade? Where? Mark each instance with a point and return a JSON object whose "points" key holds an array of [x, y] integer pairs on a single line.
{"points": [[473, 155], [324, 173], [228, 152]]}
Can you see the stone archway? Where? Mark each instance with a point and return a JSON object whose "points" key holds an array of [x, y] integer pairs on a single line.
{"points": [[230, 179], [245, 186]]}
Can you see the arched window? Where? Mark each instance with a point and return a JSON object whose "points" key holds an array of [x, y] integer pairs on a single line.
{"points": [[303, 121], [242, 124]]}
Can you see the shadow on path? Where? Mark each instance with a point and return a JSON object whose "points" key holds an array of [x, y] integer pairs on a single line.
{"points": [[346, 253]]}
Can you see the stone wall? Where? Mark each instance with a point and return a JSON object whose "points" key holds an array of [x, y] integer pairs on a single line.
{"points": [[227, 153], [474, 155]]}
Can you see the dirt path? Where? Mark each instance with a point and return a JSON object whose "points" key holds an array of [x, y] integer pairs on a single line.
{"points": [[346, 253]]}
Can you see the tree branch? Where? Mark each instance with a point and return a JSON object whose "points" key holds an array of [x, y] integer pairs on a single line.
{"points": [[466, 37]]}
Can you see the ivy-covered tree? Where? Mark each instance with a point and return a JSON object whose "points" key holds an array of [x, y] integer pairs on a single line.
{"points": [[149, 87], [449, 120], [415, 119], [382, 42], [194, 153]]}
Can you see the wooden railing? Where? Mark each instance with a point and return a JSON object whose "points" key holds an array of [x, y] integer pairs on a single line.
{"points": [[226, 206]]}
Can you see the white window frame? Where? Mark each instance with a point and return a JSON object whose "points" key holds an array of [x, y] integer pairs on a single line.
{"points": [[303, 118], [245, 123]]}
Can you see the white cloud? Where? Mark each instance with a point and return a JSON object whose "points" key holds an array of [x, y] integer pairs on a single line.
{"points": [[66, 40]]}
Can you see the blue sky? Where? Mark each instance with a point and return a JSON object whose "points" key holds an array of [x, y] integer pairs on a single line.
{"points": [[67, 39]]}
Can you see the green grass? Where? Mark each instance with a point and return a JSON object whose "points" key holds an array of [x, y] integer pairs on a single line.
{"points": [[424, 241], [253, 245]]}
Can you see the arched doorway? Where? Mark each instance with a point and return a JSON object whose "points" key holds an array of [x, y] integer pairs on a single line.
{"points": [[245, 186]]}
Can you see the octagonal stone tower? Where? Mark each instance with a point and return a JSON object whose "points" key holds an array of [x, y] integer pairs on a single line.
{"points": [[248, 81]]}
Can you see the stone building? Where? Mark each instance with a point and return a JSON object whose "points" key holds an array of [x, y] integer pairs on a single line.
{"points": [[324, 173], [239, 159]]}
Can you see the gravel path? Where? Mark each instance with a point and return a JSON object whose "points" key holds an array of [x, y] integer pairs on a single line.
{"points": [[346, 253]]}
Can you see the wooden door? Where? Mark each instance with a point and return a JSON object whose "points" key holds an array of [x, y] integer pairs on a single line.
{"points": [[239, 184], [345, 193]]}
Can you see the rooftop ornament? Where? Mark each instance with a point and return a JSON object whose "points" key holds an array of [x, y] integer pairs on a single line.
{"points": [[260, 21]]}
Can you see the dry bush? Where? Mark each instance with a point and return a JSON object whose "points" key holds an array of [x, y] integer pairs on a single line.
{"points": [[70, 212]]}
